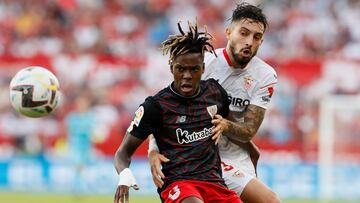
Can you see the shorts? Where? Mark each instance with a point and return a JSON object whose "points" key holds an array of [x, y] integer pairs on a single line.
{"points": [[237, 174], [206, 191]]}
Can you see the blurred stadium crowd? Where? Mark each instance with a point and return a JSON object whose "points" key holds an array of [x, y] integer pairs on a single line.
{"points": [[105, 54]]}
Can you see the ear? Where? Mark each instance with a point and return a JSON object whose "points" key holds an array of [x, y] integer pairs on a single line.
{"points": [[171, 68], [228, 33]]}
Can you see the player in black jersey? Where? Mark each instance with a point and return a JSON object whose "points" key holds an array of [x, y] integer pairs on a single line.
{"points": [[179, 116]]}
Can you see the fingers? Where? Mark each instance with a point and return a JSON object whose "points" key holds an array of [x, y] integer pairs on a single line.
{"points": [[124, 191], [217, 140], [220, 123], [216, 137], [157, 175], [217, 120], [163, 158], [127, 197], [217, 132], [217, 116], [121, 192], [158, 181], [158, 166], [155, 165], [117, 195]]}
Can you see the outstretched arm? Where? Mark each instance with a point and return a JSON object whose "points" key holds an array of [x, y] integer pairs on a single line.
{"points": [[122, 161]]}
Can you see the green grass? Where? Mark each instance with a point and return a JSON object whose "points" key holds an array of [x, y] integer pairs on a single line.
{"points": [[60, 198], [12, 197]]}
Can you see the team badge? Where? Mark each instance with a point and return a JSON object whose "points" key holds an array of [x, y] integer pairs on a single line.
{"points": [[138, 115], [212, 110], [174, 193], [248, 81]]}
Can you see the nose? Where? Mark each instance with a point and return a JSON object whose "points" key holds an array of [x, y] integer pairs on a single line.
{"points": [[187, 74], [249, 40]]}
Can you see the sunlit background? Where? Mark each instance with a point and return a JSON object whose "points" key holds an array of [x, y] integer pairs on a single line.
{"points": [[106, 56]]}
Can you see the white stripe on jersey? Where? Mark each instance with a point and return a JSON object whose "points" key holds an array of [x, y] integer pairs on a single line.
{"points": [[252, 85]]}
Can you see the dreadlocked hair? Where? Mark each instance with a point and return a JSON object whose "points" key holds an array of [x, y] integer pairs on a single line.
{"points": [[192, 41]]}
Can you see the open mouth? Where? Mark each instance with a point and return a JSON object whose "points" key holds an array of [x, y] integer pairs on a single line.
{"points": [[186, 87], [246, 52]]}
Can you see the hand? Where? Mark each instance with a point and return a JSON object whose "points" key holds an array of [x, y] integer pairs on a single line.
{"points": [[155, 160], [220, 124], [126, 181], [122, 193]]}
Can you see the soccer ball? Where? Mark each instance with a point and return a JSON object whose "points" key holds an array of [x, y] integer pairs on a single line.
{"points": [[34, 92]]}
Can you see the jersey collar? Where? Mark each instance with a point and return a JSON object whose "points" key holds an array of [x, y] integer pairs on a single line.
{"points": [[181, 96], [227, 57]]}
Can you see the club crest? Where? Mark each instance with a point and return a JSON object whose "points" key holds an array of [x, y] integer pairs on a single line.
{"points": [[248, 81], [212, 110]]}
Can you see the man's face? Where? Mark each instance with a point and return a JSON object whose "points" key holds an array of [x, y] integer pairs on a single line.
{"points": [[244, 38], [187, 70]]}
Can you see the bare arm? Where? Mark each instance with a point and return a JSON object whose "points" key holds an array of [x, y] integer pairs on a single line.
{"points": [[122, 161], [246, 130], [125, 151]]}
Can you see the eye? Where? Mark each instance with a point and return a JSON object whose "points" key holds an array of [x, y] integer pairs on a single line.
{"points": [[180, 69], [257, 37], [242, 33], [195, 69]]}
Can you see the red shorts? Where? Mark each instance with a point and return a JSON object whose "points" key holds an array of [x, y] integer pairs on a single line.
{"points": [[208, 192]]}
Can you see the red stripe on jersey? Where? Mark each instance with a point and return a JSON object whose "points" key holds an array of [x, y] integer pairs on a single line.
{"points": [[227, 57], [268, 85]]}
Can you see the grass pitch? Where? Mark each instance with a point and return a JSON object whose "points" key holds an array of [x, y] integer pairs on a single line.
{"points": [[12, 197]]}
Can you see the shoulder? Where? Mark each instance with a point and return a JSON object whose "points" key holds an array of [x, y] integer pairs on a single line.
{"points": [[211, 82], [151, 103], [211, 58], [261, 67], [214, 84], [262, 72], [166, 92]]}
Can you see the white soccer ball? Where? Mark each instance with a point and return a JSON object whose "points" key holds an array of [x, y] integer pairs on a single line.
{"points": [[34, 92]]}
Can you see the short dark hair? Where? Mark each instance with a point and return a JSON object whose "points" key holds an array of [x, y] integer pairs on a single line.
{"points": [[192, 41], [246, 10]]}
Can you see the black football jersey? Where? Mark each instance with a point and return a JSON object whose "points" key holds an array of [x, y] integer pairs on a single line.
{"points": [[182, 129]]}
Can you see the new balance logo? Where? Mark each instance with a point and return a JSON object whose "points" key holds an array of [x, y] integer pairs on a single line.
{"points": [[181, 119]]}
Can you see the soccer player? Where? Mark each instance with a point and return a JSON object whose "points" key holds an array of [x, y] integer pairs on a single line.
{"points": [[250, 83], [179, 117]]}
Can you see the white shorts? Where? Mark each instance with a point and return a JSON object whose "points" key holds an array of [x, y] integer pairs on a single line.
{"points": [[237, 174]]}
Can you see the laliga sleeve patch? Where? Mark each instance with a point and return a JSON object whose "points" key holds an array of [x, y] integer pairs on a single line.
{"points": [[138, 115]]}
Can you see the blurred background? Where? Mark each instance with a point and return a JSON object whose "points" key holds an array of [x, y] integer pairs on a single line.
{"points": [[106, 56]]}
